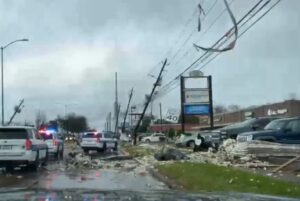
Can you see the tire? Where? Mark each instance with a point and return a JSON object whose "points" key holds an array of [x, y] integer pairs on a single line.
{"points": [[35, 165], [116, 147], [191, 144], [86, 151], [61, 154], [104, 147], [99, 150], [56, 155], [9, 168], [147, 141], [46, 159]]}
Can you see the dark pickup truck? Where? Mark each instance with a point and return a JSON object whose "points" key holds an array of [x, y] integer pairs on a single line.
{"points": [[254, 124], [281, 131], [215, 137]]}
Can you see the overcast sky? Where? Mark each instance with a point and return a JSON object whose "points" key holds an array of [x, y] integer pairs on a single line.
{"points": [[75, 46]]}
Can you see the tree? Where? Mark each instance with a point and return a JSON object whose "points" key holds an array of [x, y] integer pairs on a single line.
{"points": [[190, 119], [233, 108], [179, 132], [163, 121], [220, 109], [171, 133], [292, 96], [40, 119], [74, 123]]}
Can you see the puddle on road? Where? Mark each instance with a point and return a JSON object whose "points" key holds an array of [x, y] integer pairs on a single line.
{"points": [[100, 179]]}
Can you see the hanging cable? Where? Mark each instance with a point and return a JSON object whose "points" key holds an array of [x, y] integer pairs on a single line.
{"points": [[176, 84], [232, 44]]}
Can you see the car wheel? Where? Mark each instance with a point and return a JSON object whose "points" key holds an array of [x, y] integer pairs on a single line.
{"points": [[9, 168], [61, 154], [147, 141], [45, 159], [86, 151], [56, 155], [35, 165], [104, 147], [191, 144], [116, 147]]}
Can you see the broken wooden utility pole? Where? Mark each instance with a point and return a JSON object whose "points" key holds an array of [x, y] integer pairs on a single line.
{"points": [[124, 121], [17, 110], [158, 82]]}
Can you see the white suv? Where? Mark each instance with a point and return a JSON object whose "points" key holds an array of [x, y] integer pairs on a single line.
{"points": [[97, 141], [22, 145], [155, 137]]}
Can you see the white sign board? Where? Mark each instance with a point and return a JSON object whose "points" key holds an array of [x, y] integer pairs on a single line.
{"points": [[196, 96], [277, 112], [172, 115]]}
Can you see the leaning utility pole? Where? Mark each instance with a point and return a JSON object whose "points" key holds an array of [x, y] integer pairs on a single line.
{"points": [[124, 121], [116, 100], [158, 80], [117, 120], [17, 110], [160, 113], [109, 121]]}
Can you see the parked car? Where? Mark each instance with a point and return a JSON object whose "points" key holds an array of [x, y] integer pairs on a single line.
{"points": [[142, 135], [213, 138], [55, 144], [186, 140], [281, 131], [125, 137], [253, 124], [97, 141], [155, 137], [22, 145]]}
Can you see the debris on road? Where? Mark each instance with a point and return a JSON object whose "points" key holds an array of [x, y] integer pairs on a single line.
{"points": [[118, 157], [170, 154]]}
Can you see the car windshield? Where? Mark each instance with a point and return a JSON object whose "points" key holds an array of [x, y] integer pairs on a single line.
{"points": [[47, 136], [276, 125], [149, 96], [91, 135]]}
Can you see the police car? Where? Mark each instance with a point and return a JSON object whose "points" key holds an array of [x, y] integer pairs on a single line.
{"points": [[22, 146], [54, 142], [98, 141]]}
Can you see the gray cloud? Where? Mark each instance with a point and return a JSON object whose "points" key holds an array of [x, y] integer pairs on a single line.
{"points": [[76, 46]]}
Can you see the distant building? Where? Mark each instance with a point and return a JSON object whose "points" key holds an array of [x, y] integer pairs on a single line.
{"points": [[288, 108]]}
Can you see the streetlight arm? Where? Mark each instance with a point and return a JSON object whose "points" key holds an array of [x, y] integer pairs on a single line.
{"points": [[19, 40]]}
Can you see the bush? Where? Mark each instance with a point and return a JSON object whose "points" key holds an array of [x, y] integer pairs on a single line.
{"points": [[171, 133]]}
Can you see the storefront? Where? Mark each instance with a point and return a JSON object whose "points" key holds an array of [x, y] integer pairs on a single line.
{"points": [[289, 108]]}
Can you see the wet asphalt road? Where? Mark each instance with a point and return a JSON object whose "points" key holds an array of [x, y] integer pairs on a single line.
{"points": [[54, 176]]}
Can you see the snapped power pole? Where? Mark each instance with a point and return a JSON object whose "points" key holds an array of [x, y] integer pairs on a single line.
{"points": [[18, 109], [117, 120], [124, 121], [158, 82]]}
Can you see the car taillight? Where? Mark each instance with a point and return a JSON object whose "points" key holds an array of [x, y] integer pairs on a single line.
{"points": [[54, 142], [28, 145]]}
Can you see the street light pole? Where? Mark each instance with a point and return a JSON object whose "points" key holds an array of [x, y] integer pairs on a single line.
{"points": [[2, 88], [2, 75]]}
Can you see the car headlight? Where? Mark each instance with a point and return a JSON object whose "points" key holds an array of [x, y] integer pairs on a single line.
{"points": [[249, 137]]}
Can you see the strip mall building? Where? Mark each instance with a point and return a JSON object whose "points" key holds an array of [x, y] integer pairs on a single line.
{"points": [[289, 108]]}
